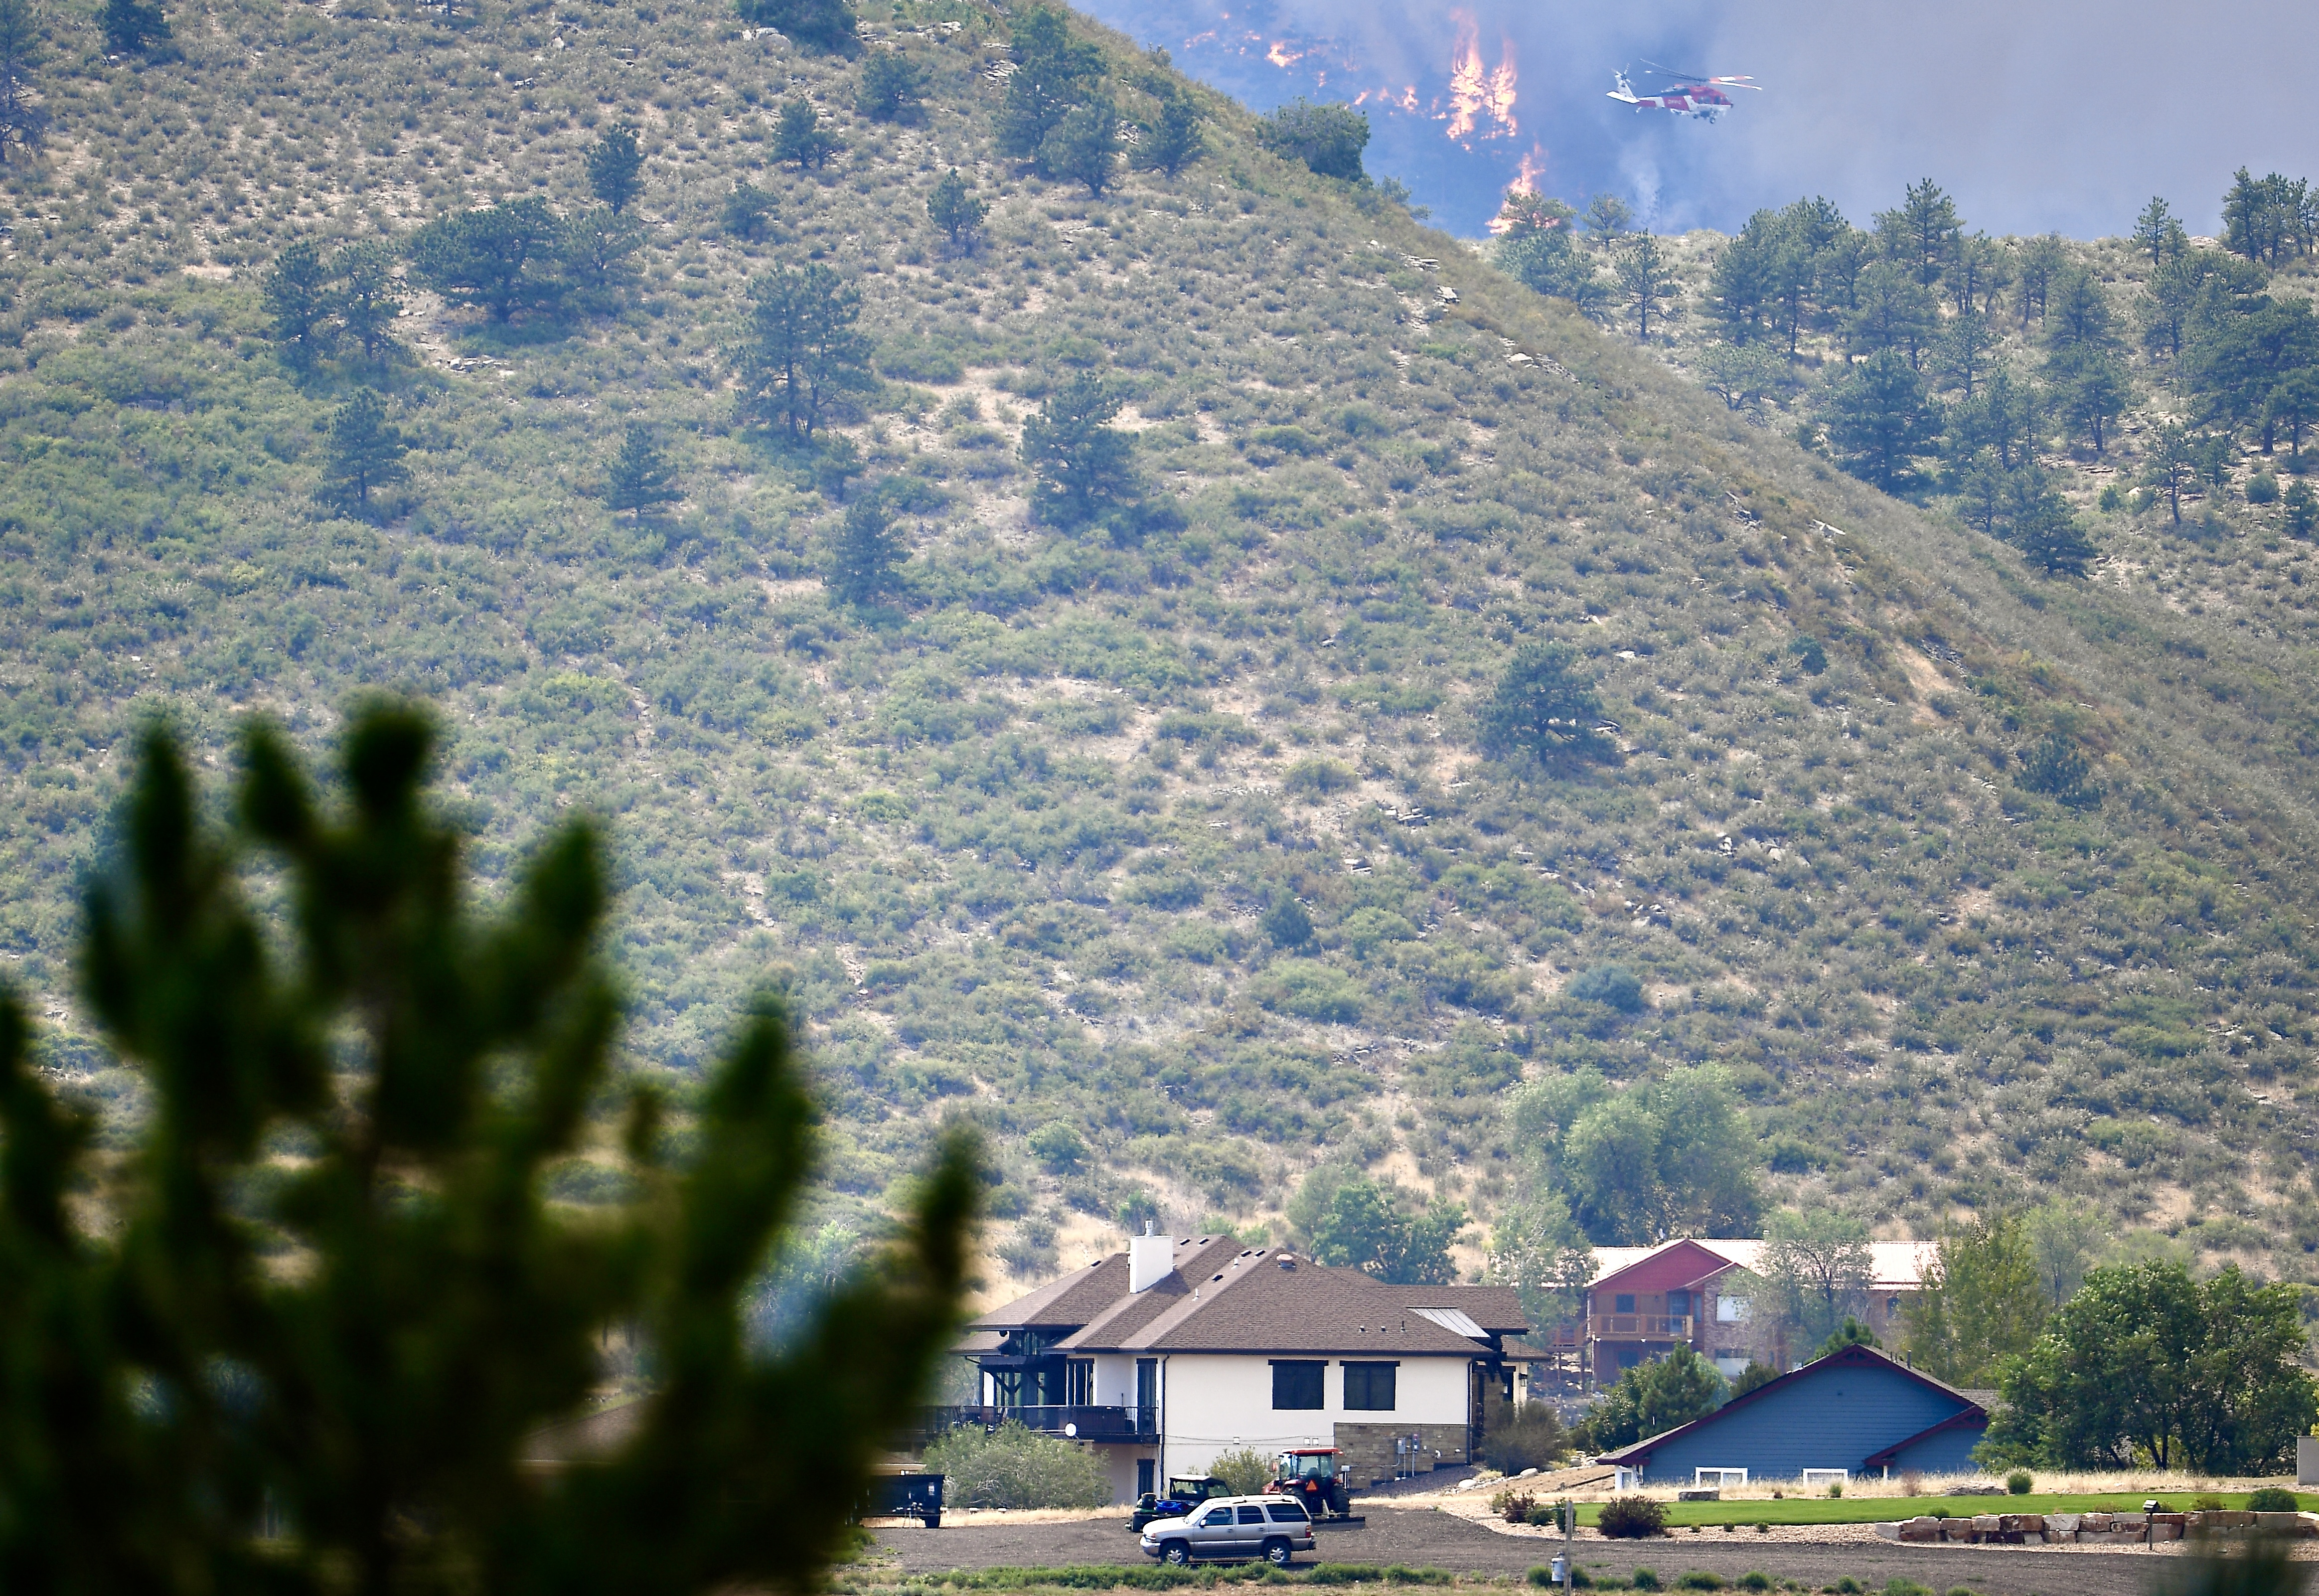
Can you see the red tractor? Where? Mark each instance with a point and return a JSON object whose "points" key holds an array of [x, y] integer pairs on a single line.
{"points": [[1311, 1476]]}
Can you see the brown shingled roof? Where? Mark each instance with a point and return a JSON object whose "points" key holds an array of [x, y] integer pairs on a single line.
{"points": [[1222, 1297]]}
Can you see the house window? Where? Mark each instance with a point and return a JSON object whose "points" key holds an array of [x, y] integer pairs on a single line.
{"points": [[1731, 1310], [1678, 1303], [1369, 1386], [1297, 1383], [1078, 1382], [1623, 1303]]}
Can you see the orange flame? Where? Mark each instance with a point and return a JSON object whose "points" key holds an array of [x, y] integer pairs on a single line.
{"points": [[1533, 168], [1281, 55], [1478, 93]]}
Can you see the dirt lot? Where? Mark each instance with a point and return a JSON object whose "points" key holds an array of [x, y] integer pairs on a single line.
{"points": [[1421, 1537]]}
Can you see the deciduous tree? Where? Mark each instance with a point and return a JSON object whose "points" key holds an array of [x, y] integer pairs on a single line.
{"points": [[2144, 1362], [1817, 1270], [1367, 1227], [1982, 1301]]}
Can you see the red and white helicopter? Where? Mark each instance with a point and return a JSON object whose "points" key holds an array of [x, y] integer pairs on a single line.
{"points": [[1692, 94]]}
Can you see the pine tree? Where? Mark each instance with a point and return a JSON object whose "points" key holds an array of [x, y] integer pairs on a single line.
{"points": [[364, 452], [2039, 522], [1546, 709], [2159, 233], [166, 1386], [803, 350], [890, 88], [1083, 146], [2169, 463], [1647, 278], [616, 166], [298, 299], [957, 209], [493, 258], [2057, 769], [1881, 419], [639, 476], [368, 298], [798, 136], [1052, 73], [867, 555], [1082, 468], [825, 25], [21, 123], [747, 211], [1172, 140], [1607, 219], [1922, 234], [130, 28], [2302, 508]]}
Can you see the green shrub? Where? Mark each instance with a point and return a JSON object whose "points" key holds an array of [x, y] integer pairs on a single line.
{"points": [[2020, 1482], [1244, 1468], [1345, 1573], [1700, 1579], [1531, 1438], [1310, 990], [1318, 775], [2271, 1499], [1899, 1586], [1631, 1518], [1647, 1579], [1402, 1573], [1754, 1579], [1015, 1467]]}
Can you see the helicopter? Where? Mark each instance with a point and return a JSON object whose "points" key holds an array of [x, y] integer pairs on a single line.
{"points": [[1691, 93]]}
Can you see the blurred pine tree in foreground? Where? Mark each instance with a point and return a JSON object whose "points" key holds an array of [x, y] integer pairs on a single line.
{"points": [[176, 1379]]}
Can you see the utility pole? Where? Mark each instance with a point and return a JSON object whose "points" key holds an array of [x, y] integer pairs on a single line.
{"points": [[1566, 1511]]}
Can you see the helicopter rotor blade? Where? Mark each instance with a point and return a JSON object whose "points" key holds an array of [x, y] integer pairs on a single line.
{"points": [[1675, 72]]}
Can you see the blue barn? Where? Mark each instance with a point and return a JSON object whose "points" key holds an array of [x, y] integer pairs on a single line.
{"points": [[1855, 1409]]}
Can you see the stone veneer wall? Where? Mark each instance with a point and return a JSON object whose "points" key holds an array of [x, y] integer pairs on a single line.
{"points": [[1368, 1450]]}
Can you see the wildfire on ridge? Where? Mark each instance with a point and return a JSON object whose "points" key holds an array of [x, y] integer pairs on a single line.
{"points": [[1523, 186], [1479, 93], [1281, 55]]}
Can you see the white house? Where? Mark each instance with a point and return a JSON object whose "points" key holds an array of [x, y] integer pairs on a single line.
{"points": [[1174, 1351]]}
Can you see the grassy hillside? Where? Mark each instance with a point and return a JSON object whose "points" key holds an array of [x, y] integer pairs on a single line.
{"points": [[1008, 839]]}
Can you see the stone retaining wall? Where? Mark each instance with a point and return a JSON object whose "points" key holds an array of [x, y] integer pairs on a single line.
{"points": [[2016, 1530]]}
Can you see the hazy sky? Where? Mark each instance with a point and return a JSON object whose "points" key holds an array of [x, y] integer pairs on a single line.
{"points": [[2036, 115]]}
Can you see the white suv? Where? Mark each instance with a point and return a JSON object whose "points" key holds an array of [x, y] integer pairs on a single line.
{"points": [[1273, 1528]]}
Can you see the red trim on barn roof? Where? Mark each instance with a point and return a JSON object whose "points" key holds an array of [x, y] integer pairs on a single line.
{"points": [[1640, 1452]]}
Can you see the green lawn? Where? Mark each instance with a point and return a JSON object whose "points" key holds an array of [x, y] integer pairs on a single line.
{"points": [[1871, 1510]]}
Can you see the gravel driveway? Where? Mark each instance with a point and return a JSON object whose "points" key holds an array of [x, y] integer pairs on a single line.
{"points": [[1423, 1537]]}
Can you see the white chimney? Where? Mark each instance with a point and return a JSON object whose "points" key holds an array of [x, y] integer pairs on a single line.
{"points": [[1149, 1259]]}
